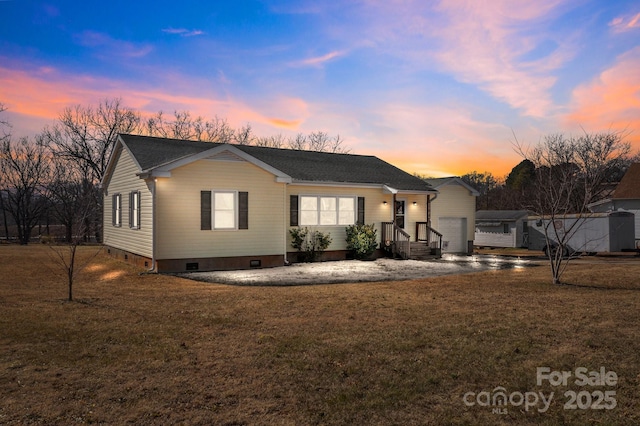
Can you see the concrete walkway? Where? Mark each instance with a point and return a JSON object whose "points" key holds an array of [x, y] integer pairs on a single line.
{"points": [[352, 271]]}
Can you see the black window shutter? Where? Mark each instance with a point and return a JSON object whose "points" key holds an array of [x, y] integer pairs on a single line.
{"points": [[293, 210], [360, 211], [113, 209], [138, 205], [205, 210], [131, 210], [243, 210]]}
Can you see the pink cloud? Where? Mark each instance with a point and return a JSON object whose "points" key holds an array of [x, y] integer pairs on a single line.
{"points": [[319, 60], [483, 43], [611, 101], [625, 23], [43, 93]]}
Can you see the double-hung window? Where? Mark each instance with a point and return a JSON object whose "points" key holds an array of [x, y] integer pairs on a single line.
{"points": [[327, 210], [134, 210], [116, 209], [224, 210]]}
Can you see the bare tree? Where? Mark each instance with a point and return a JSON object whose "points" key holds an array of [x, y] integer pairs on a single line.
{"points": [[4, 135], [71, 197], [569, 175], [275, 141], [24, 171], [321, 141], [4, 125], [183, 126], [86, 134], [298, 142], [215, 130], [318, 141], [65, 256], [244, 135]]}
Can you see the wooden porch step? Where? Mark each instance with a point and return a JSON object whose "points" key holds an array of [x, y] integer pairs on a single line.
{"points": [[421, 251]]}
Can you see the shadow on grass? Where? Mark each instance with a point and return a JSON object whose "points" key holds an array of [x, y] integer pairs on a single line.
{"points": [[598, 287]]}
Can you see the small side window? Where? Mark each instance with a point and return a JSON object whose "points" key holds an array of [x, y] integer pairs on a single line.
{"points": [[116, 210], [134, 210]]}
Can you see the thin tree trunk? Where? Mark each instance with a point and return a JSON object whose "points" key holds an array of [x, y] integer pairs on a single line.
{"points": [[70, 270], [4, 217]]}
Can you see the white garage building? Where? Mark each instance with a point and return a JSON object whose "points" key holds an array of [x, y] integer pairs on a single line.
{"points": [[453, 212]]}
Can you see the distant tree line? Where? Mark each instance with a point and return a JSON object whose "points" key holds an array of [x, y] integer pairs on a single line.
{"points": [[54, 178], [560, 173]]}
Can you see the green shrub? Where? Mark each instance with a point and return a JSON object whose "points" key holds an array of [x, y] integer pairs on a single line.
{"points": [[309, 243], [361, 240]]}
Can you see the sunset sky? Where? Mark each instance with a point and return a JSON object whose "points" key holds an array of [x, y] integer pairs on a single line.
{"points": [[434, 87]]}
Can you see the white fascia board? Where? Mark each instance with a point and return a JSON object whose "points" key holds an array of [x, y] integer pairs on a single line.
{"points": [[330, 184], [388, 190], [159, 173], [454, 180], [598, 203], [406, 191], [385, 188], [116, 151], [165, 169], [334, 184]]}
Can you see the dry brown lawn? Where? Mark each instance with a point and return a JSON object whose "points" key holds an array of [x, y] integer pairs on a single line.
{"points": [[152, 349]]}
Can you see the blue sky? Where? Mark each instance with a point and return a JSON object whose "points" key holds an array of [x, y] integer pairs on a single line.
{"points": [[437, 87]]}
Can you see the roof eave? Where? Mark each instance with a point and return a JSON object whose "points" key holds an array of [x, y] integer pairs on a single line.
{"points": [[385, 188], [164, 170]]}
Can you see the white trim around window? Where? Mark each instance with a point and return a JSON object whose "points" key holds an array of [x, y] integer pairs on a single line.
{"points": [[116, 210], [134, 210], [224, 209], [327, 210]]}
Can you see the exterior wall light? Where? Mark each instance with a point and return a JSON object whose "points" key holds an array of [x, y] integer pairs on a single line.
{"points": [[384, 202]]}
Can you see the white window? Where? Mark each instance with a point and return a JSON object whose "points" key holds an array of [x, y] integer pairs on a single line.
{"points": [[134, 210], [346, 210], [224, 210], [327, 210], [308, 210], [116, 210]]}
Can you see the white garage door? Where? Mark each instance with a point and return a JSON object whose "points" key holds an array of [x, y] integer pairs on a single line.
{"points": [[454, 234]]}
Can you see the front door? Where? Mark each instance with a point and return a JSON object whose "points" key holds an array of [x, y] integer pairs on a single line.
{"points": [[400, 213]]}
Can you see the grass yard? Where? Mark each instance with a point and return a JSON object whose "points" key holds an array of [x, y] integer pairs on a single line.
{"points": [[153, 349]]}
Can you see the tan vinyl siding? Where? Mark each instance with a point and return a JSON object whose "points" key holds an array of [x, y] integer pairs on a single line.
{"points": [[375, 211], [123, 181], [178, 211], [454, 201]]}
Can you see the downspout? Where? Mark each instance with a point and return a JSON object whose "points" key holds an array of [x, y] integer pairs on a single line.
{"points": [[393, 211], [284, 218], [153, 226], [429, 201]]}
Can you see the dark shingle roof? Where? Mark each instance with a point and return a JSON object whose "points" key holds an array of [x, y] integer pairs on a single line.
{"points": [[153, 152], [305, 166], [629, 186]]}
